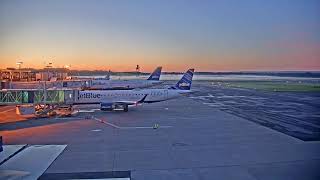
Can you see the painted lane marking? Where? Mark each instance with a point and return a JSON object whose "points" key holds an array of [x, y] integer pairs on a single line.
{"points": [[144, 127], [7, 110], [105, 122], [68, 118], [134, 127], [4, 107], [96, 130]]}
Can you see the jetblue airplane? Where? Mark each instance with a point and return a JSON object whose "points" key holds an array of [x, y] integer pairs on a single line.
{"points": [[102, 84], [122, 99]]}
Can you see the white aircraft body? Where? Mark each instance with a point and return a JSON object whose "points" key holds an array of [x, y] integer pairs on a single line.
{"points": [[104, 84], [121, 99]]}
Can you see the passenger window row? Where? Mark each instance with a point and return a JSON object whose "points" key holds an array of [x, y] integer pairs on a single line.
{"points": [[124, 94], [139, 94]]}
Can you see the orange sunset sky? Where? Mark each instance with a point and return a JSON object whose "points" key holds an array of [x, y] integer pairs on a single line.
{"points": [[118, 35]]}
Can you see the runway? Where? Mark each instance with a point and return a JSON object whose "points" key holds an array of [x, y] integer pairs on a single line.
{"points": [[194, 141]]}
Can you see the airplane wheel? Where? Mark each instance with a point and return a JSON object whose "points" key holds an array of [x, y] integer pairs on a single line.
{"points": [[125, 109]]}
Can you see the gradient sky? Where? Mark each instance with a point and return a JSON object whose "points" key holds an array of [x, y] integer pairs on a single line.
{"points": [[211, 35]]}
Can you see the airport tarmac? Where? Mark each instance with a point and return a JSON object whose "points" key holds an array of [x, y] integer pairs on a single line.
{"points": [[294, 113], [194, 139], [8, 114]]}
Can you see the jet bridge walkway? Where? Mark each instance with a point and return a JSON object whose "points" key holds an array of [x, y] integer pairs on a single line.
{"points": [[37, 96]]}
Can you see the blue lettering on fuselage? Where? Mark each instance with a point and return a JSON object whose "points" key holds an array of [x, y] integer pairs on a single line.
{"points": [[89, 95]]}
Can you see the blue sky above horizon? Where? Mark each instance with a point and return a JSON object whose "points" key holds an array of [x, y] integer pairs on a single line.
{"points": [[207, 35]]}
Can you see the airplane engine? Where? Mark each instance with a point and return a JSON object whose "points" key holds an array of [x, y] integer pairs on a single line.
{"points": [[111, 107], [122, 107], [106, 107]]}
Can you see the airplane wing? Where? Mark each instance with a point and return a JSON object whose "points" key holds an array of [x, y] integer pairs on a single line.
{"points": [[130, 102]]}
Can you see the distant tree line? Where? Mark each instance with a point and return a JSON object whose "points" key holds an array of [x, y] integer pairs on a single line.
{"points": [[266, 73]]}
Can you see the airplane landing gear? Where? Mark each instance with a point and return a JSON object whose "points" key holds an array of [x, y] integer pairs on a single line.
{"points": [[125, 108]]}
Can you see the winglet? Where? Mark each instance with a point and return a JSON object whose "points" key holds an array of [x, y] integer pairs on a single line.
{"points": [[155, 75]]}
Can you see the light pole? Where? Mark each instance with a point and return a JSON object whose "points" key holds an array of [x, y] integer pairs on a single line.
{"points": [[49, 66], [137, 70], [19, 63]]}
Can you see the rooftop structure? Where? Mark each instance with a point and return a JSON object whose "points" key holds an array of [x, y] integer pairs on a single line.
{"points": [[26, 75]]}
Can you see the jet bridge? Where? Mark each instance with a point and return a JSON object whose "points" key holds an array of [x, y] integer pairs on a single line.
{"points": [[37, 96]]}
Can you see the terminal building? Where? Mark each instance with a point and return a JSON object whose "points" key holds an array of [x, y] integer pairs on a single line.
{"points": [[11, 74], [12, 78], [27, 75]]}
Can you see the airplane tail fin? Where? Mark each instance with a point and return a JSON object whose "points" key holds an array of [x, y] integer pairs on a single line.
{"points": [[185, 82], [155, 75]]}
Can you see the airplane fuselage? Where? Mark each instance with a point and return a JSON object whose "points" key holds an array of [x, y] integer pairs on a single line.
{"points": [[152, 95], [122, 84]]}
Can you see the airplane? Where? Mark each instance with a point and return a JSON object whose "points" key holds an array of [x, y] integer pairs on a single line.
{"points": [[103, 84], [121, 99], [91, 84]]}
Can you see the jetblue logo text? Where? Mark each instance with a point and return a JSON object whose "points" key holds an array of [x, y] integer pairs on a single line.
{"points": [[184, 84], [89, 95]]}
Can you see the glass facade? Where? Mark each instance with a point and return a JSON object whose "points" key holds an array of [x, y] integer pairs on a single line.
{"points": [[34, 96]]}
